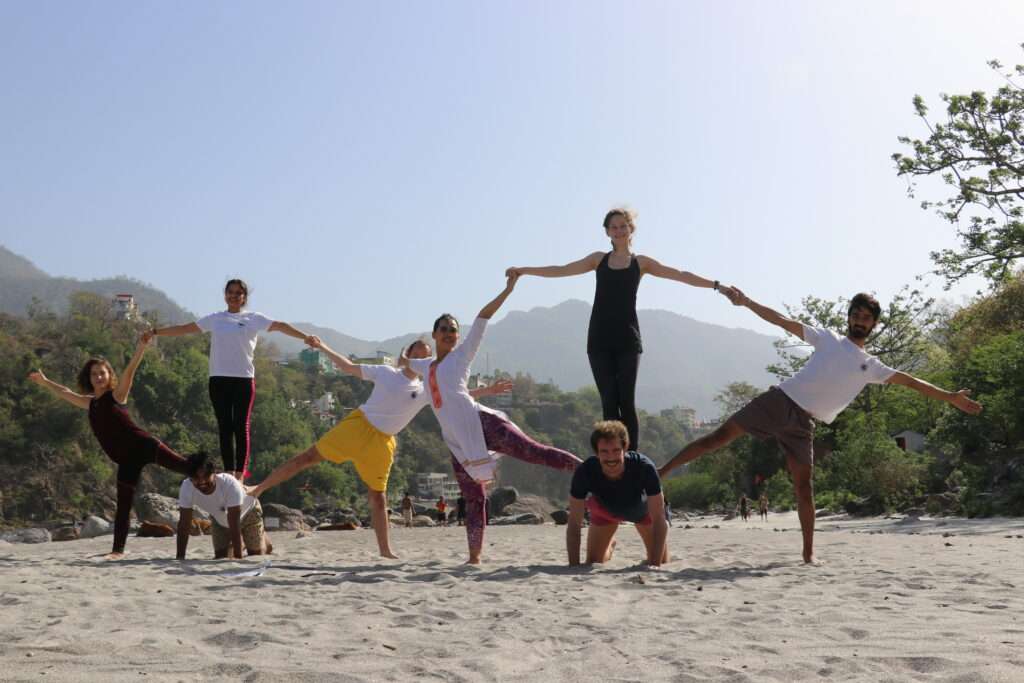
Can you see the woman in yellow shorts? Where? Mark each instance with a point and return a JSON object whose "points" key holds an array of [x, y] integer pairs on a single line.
{"points": [[366, 436]]}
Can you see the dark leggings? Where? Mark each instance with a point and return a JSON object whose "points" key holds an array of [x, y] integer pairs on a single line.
{"points": [[128, 479], [232, 399], [615, 375]]}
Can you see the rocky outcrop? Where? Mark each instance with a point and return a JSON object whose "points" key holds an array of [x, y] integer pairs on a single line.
{"points": [[157, 509], [64, 533], [277, 516], [501, 498], [27, 536], [95, 526]]}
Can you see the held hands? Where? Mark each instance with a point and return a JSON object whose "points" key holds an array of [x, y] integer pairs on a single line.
{"points": [[312, 341], [962, 401], [148, 335], [509, 272], [734, 295], [512, 275]]}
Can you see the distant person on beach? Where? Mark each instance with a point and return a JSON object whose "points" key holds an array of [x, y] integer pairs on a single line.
{"points": [[237, 517], [836, 372], [473, 431], [442, 511], [105, 396], [613, 339], [460, 510], [744, 507], [232, 384], [366, 436], [407, 509], [762, 506], [616, 485]]}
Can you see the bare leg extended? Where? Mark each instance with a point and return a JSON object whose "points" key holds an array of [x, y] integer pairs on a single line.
{"points": [[288, 469], [804, 488], [719, 438], [600, 542], [379, 520]]}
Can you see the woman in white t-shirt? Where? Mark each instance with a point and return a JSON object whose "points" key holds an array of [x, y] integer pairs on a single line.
{"points": [[474, 433], [232, 375]]}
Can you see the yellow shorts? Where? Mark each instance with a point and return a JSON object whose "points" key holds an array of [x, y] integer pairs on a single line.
{"points": [[370, 450]]}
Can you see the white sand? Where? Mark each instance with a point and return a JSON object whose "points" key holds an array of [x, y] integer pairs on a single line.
{"points": [[893, 603]]}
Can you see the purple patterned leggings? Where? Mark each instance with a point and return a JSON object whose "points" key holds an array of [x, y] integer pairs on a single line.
{"points": [[503, 436]]}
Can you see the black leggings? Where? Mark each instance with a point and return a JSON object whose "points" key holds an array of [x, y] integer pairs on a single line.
{"points": [[232, 399], [615, 374], [128, 474]]}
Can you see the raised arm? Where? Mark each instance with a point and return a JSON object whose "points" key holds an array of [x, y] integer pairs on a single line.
{"points": [[124, 384], [340, 361], [491, 308], [584, 265], [573, 529], [59, 390], [961, 399], [772, 316], [172, 331], [650, 265], [285, 328]]}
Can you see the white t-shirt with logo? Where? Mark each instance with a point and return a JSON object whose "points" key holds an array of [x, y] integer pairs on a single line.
{"points": [[835, 374], [233, 341], [227, 494], [395, 399]]}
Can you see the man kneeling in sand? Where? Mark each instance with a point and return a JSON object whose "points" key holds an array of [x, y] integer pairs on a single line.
{"points": [[623, 486], [237, 517]]}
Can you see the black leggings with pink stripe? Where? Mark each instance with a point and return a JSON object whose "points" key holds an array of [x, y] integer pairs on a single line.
{"points": [[232, 399], [503, 436]]}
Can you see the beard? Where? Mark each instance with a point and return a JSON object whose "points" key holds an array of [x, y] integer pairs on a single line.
{"points": [[858, 332]]}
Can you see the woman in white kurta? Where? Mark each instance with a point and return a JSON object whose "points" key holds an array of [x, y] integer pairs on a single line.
{"points": [[474, 433]]}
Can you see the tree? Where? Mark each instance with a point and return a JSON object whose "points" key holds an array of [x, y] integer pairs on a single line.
{"points": [[979, 152]]}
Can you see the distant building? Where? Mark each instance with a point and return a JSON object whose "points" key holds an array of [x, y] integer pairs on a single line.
{"points": [[687, 416], [434, 484], [325, 404], [124, 307], [381, 358], [910, 441], [315, 359]]}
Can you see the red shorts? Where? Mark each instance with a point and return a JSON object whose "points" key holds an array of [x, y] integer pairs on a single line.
{"points": [[599, 516]]}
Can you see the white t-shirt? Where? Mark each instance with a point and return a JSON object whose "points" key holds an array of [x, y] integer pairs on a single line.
{"points": [[395, 398], [228, 493], [835, 374], [233, 341]]}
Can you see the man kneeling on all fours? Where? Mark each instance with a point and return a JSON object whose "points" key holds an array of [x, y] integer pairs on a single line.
{"points": [[237, 517], [623, 486]]}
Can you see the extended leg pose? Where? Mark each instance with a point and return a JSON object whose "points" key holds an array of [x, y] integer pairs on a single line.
{"points": [[124, 442], [366, 436], [613, 339], [836, 372], [237, 517], [623, 486], [472, 431], [232, 375]]}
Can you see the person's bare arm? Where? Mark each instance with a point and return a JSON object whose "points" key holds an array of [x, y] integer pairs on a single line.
{"points": [[584, 265], [285, 328], [574, 530], [961, 399], [502, 386], [124, 385], [656, 508], [59, 390], [652, 266], [184, 531], [488, 311], [340, 361], [738, 298], [235, 530], [173, 331]]}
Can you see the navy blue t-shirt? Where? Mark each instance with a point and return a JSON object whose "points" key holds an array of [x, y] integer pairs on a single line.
{"points": [[625, 497]]}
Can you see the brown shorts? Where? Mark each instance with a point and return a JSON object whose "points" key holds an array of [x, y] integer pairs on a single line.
{"points": [[252, 531], [773, 415]]}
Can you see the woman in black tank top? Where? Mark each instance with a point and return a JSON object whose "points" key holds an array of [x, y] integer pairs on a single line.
{"points": [[124, 442], [613, 340]]}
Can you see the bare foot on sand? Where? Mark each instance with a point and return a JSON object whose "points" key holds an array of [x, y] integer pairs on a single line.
{"points": [[813, 561], [390, 555], [114, 556]]}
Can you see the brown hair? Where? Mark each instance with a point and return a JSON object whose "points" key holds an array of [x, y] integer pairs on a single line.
{"points": [[867, 302], [84, 379], [240, 283], [607, 430], [624, 211], [443, 317]]}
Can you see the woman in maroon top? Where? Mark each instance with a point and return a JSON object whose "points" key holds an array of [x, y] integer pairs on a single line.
{"points": [[124, 442]]}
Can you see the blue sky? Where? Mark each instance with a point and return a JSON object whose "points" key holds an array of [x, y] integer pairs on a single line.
{"points": [[367, 165]]}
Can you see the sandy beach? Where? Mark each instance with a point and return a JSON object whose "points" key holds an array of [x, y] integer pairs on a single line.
{"points": [[898, 600]]}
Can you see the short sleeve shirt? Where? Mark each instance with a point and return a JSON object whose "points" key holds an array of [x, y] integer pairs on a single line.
{"points": [[233, 341], [228, 493], [395, 399], [625, 497], [837, 371]]}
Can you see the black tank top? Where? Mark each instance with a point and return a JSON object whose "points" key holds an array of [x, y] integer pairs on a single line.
{"points": [[613, 322], [121, 439]]}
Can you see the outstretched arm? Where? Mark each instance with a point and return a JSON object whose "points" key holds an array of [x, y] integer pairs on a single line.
{"points": [[584, 265], [124, 385], [502, 386], [172, 331], [340, 361], [649, 265], [491, 308], [961, 399], [59, 390], [285, 328], [738, 298]]}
